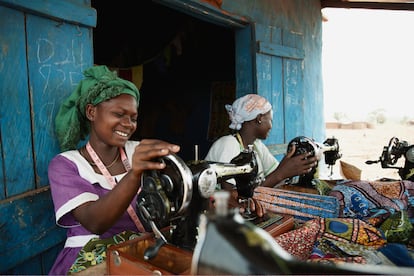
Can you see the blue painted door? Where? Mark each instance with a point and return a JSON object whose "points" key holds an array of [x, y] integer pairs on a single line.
{"points": [[269, 62], [279, 59]]}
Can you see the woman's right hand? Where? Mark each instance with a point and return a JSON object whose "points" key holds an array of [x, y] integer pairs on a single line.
{"points": [[292, 165]]}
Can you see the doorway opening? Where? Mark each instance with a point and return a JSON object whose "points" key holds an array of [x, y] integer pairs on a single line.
{"points": [[176, 60]]}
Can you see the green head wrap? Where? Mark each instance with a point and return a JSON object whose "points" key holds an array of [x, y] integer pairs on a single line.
{"points": [[99, 84]]}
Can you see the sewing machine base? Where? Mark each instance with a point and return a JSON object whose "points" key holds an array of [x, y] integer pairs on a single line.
{"points": [[127, 258]]}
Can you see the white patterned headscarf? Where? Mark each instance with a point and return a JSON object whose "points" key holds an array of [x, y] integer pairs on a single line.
{"points": [[246, 108]]}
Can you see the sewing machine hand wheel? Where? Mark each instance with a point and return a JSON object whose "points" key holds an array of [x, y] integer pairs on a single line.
{"points": [[391, 156], [165, 194]]}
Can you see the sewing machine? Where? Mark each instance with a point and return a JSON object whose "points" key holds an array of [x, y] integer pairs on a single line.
{"points": [[329, 149], [178, 194], [391, 153]]}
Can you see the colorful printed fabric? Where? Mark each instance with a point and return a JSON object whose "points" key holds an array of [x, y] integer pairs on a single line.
{"points": [[94, 252], [303, 206], [384, 204], [397, 227], [337, 240], [360, 199], [343, 240]]}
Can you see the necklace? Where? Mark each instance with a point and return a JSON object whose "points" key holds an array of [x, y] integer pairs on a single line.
{"points": [[107, 166], [240, 140]]}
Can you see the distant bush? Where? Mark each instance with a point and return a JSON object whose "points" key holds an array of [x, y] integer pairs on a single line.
{"points": [[378, 116]]}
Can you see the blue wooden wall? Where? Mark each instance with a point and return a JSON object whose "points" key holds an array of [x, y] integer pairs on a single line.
{"points": [[286, 51], [45, 46]]}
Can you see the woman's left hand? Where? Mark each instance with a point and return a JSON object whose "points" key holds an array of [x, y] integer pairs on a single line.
{"points": [[146, 153]]}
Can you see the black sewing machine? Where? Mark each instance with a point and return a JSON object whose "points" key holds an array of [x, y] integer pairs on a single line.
{"points": [[329, 149], [392, 153], [178, 194]]}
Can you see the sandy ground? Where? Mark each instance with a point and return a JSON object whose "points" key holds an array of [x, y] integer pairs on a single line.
{"points": [[360, 145]]}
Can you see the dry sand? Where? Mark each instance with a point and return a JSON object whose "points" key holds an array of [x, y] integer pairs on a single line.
{"points": [[360, 145]]}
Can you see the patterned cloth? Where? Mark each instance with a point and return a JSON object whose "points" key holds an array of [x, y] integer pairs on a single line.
{"points": [[303, 206], [360, 199], [94, 252], [385, 204], [342, 240]]}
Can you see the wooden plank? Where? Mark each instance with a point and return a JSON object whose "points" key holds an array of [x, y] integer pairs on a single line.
{"points": [[30, 267], [294, 99], [27, 228], [270, 82], [57, 56], [15, 126], [74, 11], [206, 12], [293, 82], [280, 50], [245, 78], [49, 257], [280, 80], [38, 265]]}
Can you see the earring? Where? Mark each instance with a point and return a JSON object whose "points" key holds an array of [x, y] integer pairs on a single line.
{"points": [[259, 122]]}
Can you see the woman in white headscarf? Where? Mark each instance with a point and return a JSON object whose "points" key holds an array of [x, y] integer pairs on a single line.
{"points": [[251, 119]]}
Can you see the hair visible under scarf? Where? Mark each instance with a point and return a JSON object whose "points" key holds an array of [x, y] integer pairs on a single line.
{"points": [[246, 108], [99, 84]]}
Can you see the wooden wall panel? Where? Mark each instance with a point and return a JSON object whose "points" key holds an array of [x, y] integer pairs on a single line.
{"points": [[301, 22], [42, 58], [58, 53], [280, 80], [15, 125], [270, 79], [245, 80], [27, 228]]}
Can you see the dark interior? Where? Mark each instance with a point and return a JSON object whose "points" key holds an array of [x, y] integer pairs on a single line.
{"points": [[182, 58]]}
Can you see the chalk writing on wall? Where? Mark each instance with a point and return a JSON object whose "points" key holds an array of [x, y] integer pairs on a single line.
{"points": [[59, 63]]}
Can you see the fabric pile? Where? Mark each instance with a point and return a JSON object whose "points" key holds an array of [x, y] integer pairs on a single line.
{"points": [[374, 226], [343, 240]]}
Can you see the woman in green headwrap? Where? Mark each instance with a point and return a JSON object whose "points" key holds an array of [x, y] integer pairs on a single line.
{"points": [[93, 186]]}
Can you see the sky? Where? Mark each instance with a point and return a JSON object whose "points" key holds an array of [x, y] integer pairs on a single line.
{"points": [[368, 63]]}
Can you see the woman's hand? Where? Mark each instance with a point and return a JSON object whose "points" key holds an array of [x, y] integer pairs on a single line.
{"points": [[292, 165], [146, 153]]}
